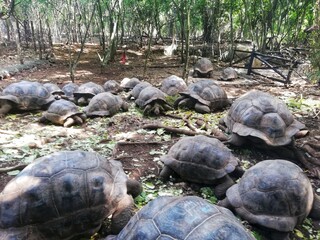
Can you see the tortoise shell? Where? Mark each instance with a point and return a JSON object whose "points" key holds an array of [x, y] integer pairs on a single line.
{"points": [[88, 90], [204, 92], [105, 104], [259, 115], [112, 86], [60, 110], [64, 195], [26, 95], [229, 73], [203, 67], [173, 85], [200, 159], [54, 89], [187, 217], [149, 95], [128, 83], [138, 88], [69, 89], [273, 193]]}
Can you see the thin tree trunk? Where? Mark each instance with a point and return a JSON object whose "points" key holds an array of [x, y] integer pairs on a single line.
{"points": [[187, 35], [17, 39], [74, 62], [49, 34], [34, 39]]}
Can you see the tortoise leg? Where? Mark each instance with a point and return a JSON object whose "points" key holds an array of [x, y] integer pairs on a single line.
{"points": [[177, 102], [43, 120], [201, 108], [222, 187], [315, 211], [165, 173], [134, 188], [147, 110], [5, 107], [238, 172], [186, 103], [78, 119], [225, 203], [122, 215], [69, 122], [167, 107], [236, 140]]}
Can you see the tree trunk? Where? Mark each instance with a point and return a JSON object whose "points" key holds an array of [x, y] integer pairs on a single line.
{"points": [[187, 39], [18, 40], [34, 39]]}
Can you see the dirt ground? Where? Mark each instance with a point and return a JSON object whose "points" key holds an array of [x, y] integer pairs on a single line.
{"points": [[124, 136]]}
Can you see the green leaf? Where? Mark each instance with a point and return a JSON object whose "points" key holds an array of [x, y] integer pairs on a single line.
{"points": [[299, 233]]}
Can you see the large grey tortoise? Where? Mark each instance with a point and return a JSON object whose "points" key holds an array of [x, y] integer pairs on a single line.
{"points": [[69, 89], [204, 96], [261, 118], [134, 93], [274, 194], [25, 95], [54, 89], [105, 105], [128, 83], [183, 218], [229, 74], [66, 195], [86, 92], [63, 112], [203, 68], [153, 101], [202, 159], [112, 86], [173, 85]]}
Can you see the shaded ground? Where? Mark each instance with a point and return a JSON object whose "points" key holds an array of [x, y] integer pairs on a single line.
{"points": [[122, 136]]}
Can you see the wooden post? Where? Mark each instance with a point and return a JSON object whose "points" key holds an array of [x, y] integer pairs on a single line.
{"points": [[253, 54]]}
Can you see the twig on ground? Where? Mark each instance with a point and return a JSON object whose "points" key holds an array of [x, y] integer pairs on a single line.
{"points": [[9, 169]]}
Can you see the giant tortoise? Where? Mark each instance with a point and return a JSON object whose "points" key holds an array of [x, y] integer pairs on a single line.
{"points": [[274, 194], [63, 112], [66, 195], [261, 118], [183, 218], [25, 95], [204, 96], [203, 68], [201, 159], [105, 105]]}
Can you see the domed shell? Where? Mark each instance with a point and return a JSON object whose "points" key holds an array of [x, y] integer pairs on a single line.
{"points": [[187, 217], [200, 159], [149, 95], [173, 85], [273, 193], [138, 88], [89, 89], [64, 195], [27, 95], [60, 110], [229, 73], [112, 86], [260, 115], [69, 89], [128, 83], [105, 104], [203, 66], [208, 93], [54, 89]]}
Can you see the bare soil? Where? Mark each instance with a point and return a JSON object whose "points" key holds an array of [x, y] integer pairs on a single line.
{"points": [[123, 136]]}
